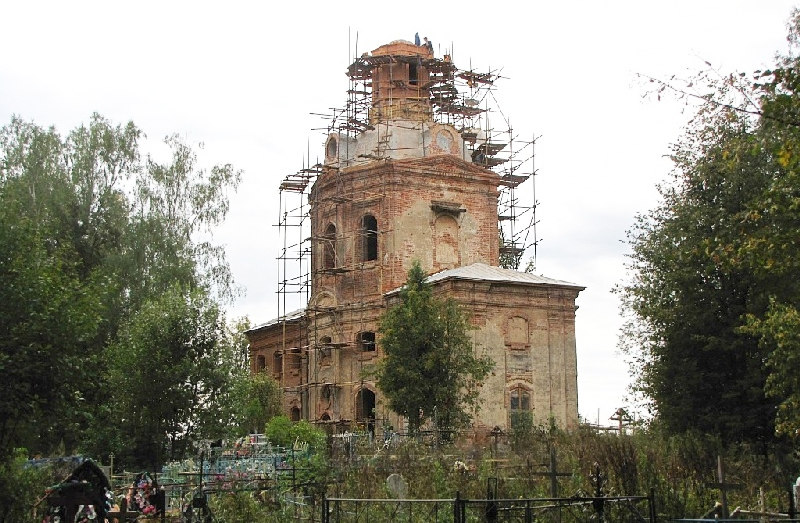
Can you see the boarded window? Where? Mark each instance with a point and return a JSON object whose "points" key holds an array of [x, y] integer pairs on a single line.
{"points": [[295, 360], [446, 242], [519, 362], [517, 331]]}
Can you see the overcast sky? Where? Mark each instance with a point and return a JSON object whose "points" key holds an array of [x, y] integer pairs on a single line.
{"points": [[243, 78]]}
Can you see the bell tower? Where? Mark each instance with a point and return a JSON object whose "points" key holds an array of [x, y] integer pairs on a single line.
{"points": [[400, 83], [403, 187], [399, 187]]}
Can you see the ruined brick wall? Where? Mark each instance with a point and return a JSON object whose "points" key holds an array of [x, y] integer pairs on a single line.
{"points": [[439, 210], [529, 333], [279, 349]]}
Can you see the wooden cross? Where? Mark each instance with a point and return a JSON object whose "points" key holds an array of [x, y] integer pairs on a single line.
{"points": [[723, 487], [620, 415]]}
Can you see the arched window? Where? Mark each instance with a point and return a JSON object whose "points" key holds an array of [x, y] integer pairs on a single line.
{"points": [[365, 341], [369, 235], [328, 392], [329, 247], [520, 407], [295, 414]]}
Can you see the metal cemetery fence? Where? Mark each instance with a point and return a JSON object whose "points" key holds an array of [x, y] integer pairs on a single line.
{"points": [[556, 510]]}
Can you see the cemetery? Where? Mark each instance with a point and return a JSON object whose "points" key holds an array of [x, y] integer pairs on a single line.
{"points": [[538, 476]]}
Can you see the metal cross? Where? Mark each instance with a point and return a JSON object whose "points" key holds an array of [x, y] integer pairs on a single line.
{"points": [[552, 473]]}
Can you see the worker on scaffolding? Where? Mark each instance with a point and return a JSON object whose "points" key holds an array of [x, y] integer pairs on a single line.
{"points": [[427, 43]]}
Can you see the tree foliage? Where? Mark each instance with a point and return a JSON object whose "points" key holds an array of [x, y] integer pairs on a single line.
{"points": [[60, 216], [429, 370], [20, 487], [259, 398], [172, 369], [280, 430], [47, 317], [713, 289], [94, 240]]}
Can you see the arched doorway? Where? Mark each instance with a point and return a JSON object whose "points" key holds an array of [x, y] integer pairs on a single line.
{"points": [[365, 409]]}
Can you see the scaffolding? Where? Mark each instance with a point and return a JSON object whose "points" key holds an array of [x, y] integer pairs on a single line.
{"points": [[460, 98]]}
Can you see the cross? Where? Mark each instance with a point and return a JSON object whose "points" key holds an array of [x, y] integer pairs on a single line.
{"points": [[723, 487], [553, 474], [622, 417]]}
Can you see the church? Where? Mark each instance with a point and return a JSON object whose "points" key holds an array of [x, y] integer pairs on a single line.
{"points": [[408, 175]]}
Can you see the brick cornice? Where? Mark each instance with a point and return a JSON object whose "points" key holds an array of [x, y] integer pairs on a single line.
{"points": [[442, 165]]}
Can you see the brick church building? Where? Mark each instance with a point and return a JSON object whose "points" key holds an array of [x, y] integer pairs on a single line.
{"points": [[404, 183]]}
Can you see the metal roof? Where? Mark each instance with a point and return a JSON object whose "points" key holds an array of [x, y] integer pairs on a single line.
{"points": [[290, 316], [474, 272], [483, 272]]}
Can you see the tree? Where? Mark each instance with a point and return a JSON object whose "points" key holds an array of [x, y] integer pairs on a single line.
{"points": [[172, 369], [699, 369], [779, 332], [90, 236], [259, 399], [175, 206], [713, 291], [46, 319], [429, 370], [61, 214], [280, 430]]}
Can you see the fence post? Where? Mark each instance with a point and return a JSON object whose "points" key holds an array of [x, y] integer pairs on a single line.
{"points": [[324, 516], [457, 508], [652, 501], [598, 479], [491, 500]]}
